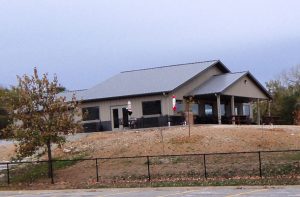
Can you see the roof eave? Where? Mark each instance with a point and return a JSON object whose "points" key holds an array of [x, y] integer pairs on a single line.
{"points": [[125, 96], [261, 86]]}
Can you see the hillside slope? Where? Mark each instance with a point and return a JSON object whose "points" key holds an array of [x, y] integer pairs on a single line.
{"points": [[175, 140], [165, 141]]}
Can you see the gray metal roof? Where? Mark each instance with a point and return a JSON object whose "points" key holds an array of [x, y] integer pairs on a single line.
{"points": [[69, 94], [145, 81], [218, 83]]}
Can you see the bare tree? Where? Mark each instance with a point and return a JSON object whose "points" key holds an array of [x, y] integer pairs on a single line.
{"points": [[291, 77]]}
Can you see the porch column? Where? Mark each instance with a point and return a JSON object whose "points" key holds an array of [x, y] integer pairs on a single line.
{"points": [[232, 110], [258, 111], [219, 108]]}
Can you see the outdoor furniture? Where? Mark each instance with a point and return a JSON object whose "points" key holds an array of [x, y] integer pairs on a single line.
{"points": [[132, 122], [270, 120], [240, 119]]}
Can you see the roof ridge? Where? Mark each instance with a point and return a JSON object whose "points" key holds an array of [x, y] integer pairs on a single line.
{"points": [[75, 90], [231, 73], [245, 71], [172, 65]]}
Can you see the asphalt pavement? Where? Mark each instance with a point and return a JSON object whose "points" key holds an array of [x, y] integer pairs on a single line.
{"points": [[278, 191]]}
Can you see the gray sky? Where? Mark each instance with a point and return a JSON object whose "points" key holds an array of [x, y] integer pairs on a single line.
{"points": [[87, 41]]}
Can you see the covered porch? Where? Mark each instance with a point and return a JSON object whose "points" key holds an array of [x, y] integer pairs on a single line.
{"points": [[221, 109], [226, 99]]}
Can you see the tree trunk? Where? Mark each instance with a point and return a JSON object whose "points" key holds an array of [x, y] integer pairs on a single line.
{"points": [[50, 170]]}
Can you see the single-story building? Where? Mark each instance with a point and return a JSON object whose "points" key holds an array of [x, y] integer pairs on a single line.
{"points": [[206, 92]]}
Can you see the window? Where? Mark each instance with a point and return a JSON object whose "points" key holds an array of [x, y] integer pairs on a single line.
{"points": [[179, 106], [223, 110], [151, 107], [246, 109], [195, 108], [208, 109], [90, 113]]}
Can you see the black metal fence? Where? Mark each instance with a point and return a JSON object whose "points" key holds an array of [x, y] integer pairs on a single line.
{"points": [[259, 164], [159, 121]]}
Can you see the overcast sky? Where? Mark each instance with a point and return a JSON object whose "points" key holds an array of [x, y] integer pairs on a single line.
{"points": [[87, 41]]}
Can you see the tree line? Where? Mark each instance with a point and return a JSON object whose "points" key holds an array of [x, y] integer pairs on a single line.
{"points": [[285, 92]]}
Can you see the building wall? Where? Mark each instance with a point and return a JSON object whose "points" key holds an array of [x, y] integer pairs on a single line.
{"points": [[136, 105], [248, 89]]}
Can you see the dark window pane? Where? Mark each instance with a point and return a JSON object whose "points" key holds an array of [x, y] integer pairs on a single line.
{"points": [[151, 107], [90, 113], [246, 109], [208, 109], [195, 108], [179, 106]]}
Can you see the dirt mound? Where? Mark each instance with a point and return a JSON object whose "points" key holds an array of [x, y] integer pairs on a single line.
{"points": [[161, 141], [176, 140]]}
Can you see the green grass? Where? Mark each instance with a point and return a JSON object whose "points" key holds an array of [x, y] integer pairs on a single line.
{"points": [[282, 169], [176, 160], [165, 160], [293, 157], [209, 182], [229, 182], [28, 173]]}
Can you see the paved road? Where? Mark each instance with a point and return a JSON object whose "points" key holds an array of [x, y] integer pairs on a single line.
{"points": [[289, 191]]}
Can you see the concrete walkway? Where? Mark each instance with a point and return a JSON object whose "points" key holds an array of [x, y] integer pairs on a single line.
{"points": [[279, 191]]}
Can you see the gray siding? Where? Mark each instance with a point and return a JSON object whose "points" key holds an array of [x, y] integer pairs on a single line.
{"points": [[249, 89], [136, 102]]}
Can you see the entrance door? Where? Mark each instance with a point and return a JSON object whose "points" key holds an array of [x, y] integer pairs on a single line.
{"points": [[119, 117], [115, 118]]}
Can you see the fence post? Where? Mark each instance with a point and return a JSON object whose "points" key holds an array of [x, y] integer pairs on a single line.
{"points": [[7, 169], [259, 159], [204, 163], [97, 172], [148, 164], [51, 169]]}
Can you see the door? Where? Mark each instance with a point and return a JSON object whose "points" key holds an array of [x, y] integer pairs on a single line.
{"points": [[115, 114], [119, 117], [125, 117]]}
